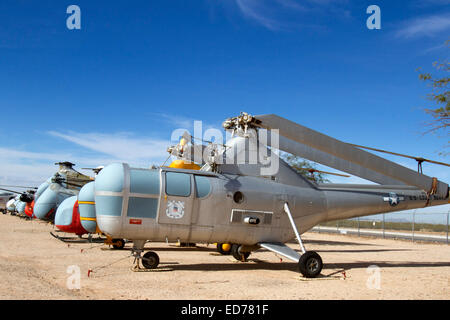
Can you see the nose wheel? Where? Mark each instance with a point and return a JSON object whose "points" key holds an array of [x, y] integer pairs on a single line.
{"points": [[150, 260]]}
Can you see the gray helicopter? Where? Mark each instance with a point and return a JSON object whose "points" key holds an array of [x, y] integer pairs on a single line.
{"points": [[244, 194]]}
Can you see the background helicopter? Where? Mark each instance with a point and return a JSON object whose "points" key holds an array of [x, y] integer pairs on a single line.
{"points": [[5, 196], [18, 202], [76, 215], [254, 204], [66, 182]]}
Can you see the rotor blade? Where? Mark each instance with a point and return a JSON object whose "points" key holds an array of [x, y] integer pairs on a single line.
{"points": [[342, 150], [11, 191], [79, 180], [326, 172], [4, 185], [326, 159], [419, 159]]}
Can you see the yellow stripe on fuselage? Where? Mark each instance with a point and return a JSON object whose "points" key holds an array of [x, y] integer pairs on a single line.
{"points": [[86, 202], [88, 219]]}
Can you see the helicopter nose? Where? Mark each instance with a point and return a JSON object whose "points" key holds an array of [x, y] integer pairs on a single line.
{"points": [[67, 217], [45, 205], [10, 205], [109, 186], [86, 206], [21, 207], [41, 189], [64, 213]]}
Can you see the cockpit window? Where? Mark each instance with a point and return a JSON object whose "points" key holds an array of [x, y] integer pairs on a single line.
{"points": [[144, 181], [178, 184], [202, 186]]}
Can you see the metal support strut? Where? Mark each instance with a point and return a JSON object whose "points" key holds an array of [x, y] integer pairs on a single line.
{"points": [[299, 239], [136, 251]]}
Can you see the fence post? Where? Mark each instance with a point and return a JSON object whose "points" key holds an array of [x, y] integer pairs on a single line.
{"points": [[447, 225], [360, 234], [414, 216], [383, 227]]}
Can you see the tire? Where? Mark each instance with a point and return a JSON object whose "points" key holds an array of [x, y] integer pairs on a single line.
{"points": [[222, 248], [237, 254], [310, 264], [150, 260], [118, 244]]}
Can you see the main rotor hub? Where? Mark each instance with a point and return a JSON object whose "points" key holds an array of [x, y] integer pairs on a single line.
{"points": [[244, 121]]}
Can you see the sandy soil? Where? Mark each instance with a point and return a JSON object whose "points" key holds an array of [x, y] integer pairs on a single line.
{"points": [[34, 265]]}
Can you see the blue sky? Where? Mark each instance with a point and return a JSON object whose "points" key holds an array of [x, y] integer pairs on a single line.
{"points": [[115, 89]]}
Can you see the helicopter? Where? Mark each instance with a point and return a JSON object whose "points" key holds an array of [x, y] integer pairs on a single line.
{"points": [[76, 215], [18, 202], [5, 197], [247, 196], [65, 183]]}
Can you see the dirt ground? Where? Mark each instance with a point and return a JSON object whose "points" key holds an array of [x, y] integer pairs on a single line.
{"points": [[35, 265]]}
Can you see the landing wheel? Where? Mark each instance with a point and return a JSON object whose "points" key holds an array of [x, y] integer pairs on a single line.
{"points": [[224, 248], [150, 260], [310, 264], [118, 243], [237, 254]]}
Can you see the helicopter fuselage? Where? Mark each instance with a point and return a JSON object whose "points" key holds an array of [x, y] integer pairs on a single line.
{"points": [[170, 204]]}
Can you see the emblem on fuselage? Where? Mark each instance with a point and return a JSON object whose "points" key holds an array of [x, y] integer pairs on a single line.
{"points": [[393, 199], [175, 209]]}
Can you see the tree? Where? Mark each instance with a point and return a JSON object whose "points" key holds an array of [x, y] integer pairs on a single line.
{"points": [[440, 94], [303, 167]]}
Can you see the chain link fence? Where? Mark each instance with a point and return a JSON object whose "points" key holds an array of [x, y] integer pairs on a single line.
{"points": [[414, 226]]}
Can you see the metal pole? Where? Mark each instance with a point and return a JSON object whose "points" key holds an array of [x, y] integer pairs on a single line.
{"points": [[383, 226], [359, 228], [288, 212], [414, 216], [447, 225]]}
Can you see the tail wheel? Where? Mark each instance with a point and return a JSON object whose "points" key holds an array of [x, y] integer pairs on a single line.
{"points": [[150, 260], [118, 244], [224, 248], [310, 264], [237, 254]]}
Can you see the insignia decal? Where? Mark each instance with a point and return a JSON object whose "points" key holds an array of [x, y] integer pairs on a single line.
{"points": [[393, 199], [175, 209]]}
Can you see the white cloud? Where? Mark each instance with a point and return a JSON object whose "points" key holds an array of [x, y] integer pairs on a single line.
{"points": [[256, 10], [424, 26], [290, 14], [119, 146], [19, 167]]}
